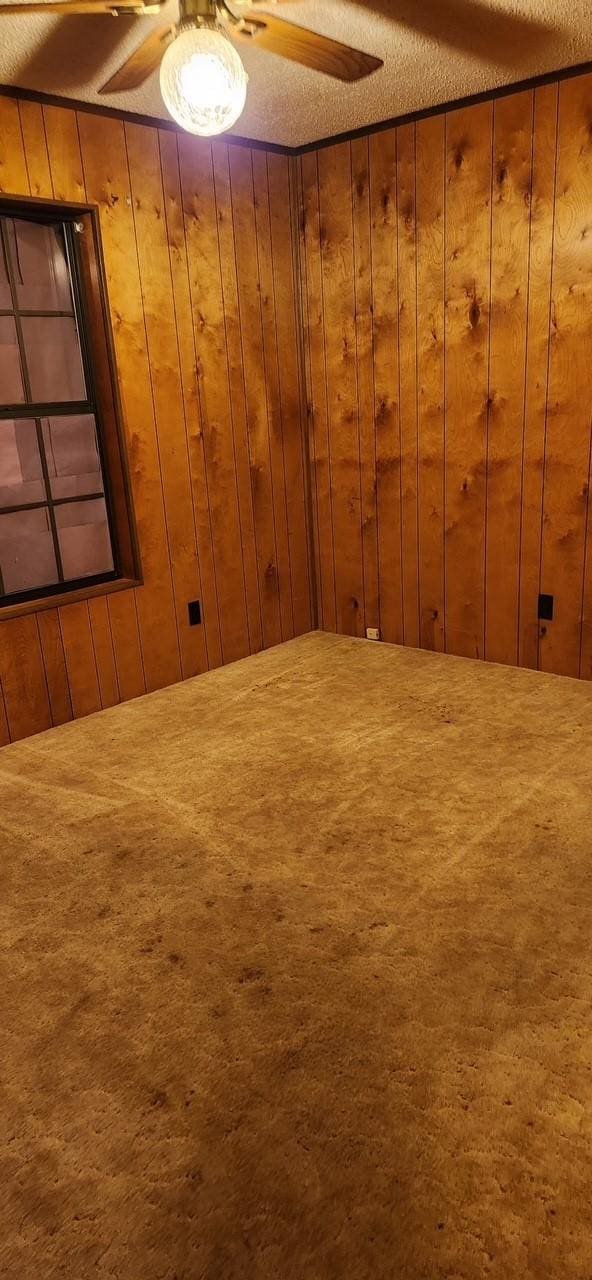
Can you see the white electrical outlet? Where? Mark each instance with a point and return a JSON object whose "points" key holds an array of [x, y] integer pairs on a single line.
{"points": [[372, 633]]}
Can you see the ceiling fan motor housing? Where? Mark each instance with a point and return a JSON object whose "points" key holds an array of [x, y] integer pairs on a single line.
{"points": [[201, 13]]}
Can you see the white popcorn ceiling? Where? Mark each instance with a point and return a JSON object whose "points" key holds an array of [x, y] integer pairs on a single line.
{"points": [[463, 47]]}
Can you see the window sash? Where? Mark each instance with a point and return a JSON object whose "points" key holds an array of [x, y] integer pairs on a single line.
{"points": [[35, 411]]}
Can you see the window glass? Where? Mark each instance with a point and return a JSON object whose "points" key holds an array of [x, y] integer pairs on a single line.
{"points": [[21, 472], [27, 555], [55, 513], [83, 534], [40, 266], [52, 352], [72, 453], [5, 294], [11, 379]]}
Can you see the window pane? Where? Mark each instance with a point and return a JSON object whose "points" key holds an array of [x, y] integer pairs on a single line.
{"points": [[53, 358], [72, 454], [11, 379], [21, 474], [27, 558], [40, 266], [83, 534], [5, 295]]}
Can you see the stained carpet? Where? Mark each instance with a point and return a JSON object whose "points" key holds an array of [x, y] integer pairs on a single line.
{"points": [[297, 977]]}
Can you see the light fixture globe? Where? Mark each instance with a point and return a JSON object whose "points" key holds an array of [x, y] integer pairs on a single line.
{"points": [[203, 81]]}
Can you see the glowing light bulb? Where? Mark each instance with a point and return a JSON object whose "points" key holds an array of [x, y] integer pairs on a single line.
{"points": [[203, 81]]}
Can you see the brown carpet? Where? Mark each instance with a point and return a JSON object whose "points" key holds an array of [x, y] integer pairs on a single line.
{"points": [[297, 977]]}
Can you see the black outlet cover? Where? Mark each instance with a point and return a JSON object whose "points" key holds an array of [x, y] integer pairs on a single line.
{"points": [[546, 608], [194, 611]]}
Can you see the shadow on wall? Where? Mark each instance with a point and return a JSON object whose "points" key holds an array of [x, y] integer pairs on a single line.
{"points": [[470, 27]]}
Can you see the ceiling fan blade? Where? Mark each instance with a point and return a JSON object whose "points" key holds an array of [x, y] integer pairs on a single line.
{"points": [[142, 63], [306, 47], [83, 6]]}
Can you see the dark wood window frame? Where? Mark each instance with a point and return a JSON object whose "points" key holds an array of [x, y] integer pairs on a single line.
{"points": [[89, 281]]}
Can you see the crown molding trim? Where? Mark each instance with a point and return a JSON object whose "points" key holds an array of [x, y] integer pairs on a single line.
{"points": [[455, 104], [132, 117]]}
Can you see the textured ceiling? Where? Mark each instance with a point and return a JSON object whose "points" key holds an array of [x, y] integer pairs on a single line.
{"points": [[433, 51]]}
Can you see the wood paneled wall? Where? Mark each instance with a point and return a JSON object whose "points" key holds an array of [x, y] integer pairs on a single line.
{"points": [[199, 252], [440, 274], [447, 305]]}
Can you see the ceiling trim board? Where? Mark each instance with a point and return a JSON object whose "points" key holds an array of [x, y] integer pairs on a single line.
{"points": [[133, 117], [455, 104]]}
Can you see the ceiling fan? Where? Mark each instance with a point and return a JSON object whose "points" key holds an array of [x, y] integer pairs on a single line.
{"points": [[202, 78]]}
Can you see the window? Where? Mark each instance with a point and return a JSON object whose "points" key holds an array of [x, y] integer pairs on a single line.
{"points": [[65, 520]]}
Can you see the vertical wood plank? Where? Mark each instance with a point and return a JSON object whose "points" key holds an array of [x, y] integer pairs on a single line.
{"points": [[282, 196], [207, 300], [430, 196], [226, 251], [61, 130], [14, 178], [165, 377], [102, 640], [383, 213], [342, 392], [80, 659], [169, 160], [510, 252], [54, 660], [35, 149], [127, 648], [317, 408], [22, 677], [468, 246], [537, 363], [365, 372], [107, 181], [275, 418], [586, 642], [567, 456], [4, 733], [407, 277], [254, 372]]}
